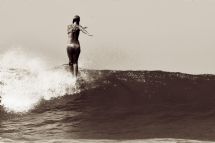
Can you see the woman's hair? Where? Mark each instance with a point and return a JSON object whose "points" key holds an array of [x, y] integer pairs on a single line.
{"points": [[76, 19]]}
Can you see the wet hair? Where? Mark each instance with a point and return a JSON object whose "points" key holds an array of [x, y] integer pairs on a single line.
{"points": [[76, 19]]}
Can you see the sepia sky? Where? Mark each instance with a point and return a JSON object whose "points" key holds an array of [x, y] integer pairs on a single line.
{"points": [[171, 35]]}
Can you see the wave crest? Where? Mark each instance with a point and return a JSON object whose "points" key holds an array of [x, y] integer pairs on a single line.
{"points": [[24, 81]]}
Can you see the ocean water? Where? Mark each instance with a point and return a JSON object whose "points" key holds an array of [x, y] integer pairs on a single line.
{"points": [[40, 104]]}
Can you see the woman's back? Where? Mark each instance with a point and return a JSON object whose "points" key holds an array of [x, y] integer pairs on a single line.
{"points": [[73, 34]]}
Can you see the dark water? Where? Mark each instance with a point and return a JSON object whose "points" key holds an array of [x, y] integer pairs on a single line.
{"points": [[124, 106]]}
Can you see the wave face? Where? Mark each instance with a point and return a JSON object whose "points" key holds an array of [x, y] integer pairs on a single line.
{"points": [[122, 105], [106, 105]]}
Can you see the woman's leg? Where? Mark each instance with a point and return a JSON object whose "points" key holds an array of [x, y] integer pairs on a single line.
{"points": [[75, 70], [75, 65], [71, 69], [69, 53]]}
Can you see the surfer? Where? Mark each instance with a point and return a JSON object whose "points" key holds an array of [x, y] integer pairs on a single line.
{"points": [[73, 45]]}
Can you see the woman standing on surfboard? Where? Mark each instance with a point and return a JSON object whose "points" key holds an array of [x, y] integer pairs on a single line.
{"points": [[73, 45]]}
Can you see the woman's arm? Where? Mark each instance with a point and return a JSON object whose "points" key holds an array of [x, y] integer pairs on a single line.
{"points": [[83, 29]]}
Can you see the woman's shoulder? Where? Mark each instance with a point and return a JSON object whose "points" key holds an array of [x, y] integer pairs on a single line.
{"points": [[72, 26]]}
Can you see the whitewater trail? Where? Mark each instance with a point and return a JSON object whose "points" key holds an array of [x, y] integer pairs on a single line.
{"points": [[26, 80]]}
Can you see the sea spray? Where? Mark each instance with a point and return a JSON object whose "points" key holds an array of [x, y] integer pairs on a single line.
{"points": [[26, 80]]}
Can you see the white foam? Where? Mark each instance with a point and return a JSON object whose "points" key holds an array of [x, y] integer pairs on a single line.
{"points": [[26, 80]]}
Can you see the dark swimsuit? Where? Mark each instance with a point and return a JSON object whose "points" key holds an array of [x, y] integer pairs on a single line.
{"points": [[73, 49]]}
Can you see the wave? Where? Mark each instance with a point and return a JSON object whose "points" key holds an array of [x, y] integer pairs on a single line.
{"points": [[21, 89], [105, 104], [139, 104], [23, 84]]}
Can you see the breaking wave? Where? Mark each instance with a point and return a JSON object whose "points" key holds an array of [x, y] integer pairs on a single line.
{"points": [[104, 106], [24, 81]]}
